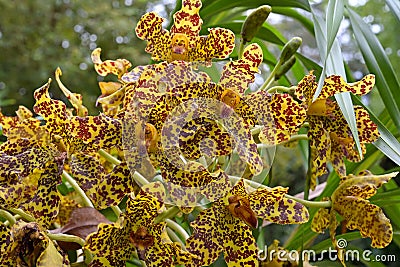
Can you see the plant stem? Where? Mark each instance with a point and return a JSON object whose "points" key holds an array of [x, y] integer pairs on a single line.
{"points": [[271, 77], [256, 129], [66, 238], [307, 203], [174, 237], [169, 213], [241, 48], [298, 137], [177, 228], [137, 262], [116, 210], [23, 214], [139, 179], [293, 138], [281, 89], [8, 216], [110, 158], [78, 190]]}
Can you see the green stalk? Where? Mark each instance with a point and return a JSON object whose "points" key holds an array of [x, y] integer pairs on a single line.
{"points": [[241, 48], [177, 228], [110, 158], [271, 77], [67, 238], [8, 216], [23, 214], [78, 190], [139, 179], [281, 89], [169, 213], [116, 210], [174, 237], [256, 129], [307, 203], [293, 138]]}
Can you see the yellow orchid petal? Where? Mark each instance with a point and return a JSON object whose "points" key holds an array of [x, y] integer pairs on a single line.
{"points": [[183, 42], [187, 19], [219, 43], [54, 112], [320, 146], [207, 239], [74, 99], [320, 221], [237, 75], [271, 205], [5, 246], [350, 201], [45, 203], [117, 67], [110, 244], [335, 84], [97, 131], [240, 248]]}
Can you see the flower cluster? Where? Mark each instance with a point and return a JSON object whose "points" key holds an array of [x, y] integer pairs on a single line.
{"points": [[162, 146]]}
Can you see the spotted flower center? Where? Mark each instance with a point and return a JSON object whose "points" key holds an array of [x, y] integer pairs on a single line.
{"points": [[230, 98], [321, 107], [180, 46], [141, 238], [150, 136], [240, 208], [341, 140]]}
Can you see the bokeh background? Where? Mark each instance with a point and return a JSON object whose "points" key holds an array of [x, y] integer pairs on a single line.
{"points": [[37, 36]]}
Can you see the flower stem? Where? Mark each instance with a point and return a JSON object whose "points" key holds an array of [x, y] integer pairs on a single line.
{"points": [[78, 190], [116, 210], [8, 216], [177, 228], [67, 238], [293, 138], [307, 203], [281, 89], [23, 214], [169, 213], [139, 179], [174, 237], [110, 158], [298, 137], [271, 77], [241, 48]]}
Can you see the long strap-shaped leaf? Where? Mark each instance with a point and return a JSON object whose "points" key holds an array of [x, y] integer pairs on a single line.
{"points": [[379, 64], [211, 8], [332, 59], [394, 6]]}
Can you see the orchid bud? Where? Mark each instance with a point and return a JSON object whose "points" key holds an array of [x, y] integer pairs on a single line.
{"points": [[254, 22], [290, 49], [285, 67]]}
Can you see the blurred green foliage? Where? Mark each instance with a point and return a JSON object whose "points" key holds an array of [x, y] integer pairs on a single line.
{"points": [[38, 36]]}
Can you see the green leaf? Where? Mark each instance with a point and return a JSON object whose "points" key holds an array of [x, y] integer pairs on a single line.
{"points": [[379, 64], [334, 16], [290, 12], [211, 8], [394, 6], [333, 64]]}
